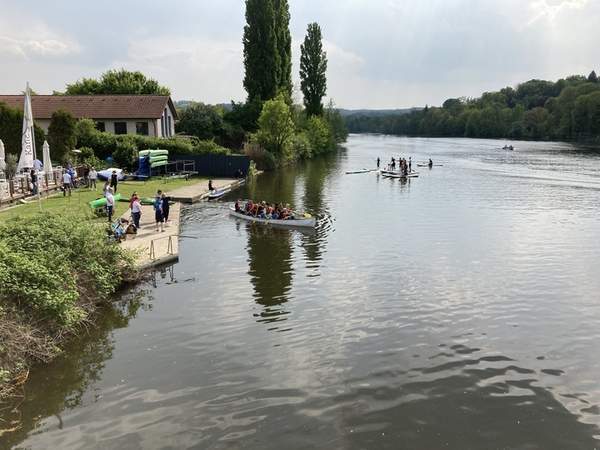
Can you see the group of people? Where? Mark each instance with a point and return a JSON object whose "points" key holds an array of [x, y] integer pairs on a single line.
{"points": [[70, 179], [264, 210], [404, 166], [160, 205]]}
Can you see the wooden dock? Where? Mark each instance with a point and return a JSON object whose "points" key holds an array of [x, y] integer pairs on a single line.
{"points": [[199, 191], [154, 248]]}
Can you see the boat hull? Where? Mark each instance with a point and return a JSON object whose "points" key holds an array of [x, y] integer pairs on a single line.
{"points": [[392, 174], [302, 223]]}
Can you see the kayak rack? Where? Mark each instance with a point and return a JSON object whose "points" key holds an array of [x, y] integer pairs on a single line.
{"points": [[169, 246]]}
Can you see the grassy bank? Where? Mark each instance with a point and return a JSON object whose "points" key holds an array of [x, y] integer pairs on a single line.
{"points": [[77, 205], [54, 273]]}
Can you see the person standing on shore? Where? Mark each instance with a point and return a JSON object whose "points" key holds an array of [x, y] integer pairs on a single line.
{"points": [[66, 183], [409, 164], [110, 204], [165, 207], [136, 210], [158, 211], [378, 162], [34, 182], [93, 175], [114, 180]]}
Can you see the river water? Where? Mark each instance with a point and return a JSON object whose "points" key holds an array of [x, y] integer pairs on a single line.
{"points": [[458, 310]]}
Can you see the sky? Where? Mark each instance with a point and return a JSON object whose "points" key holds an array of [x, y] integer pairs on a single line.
{"points": [[382, 53]]}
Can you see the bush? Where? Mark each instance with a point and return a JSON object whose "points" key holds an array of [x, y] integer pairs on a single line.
{"points": [[51, 266], [301, 146], [319, 135], [125, 154]]}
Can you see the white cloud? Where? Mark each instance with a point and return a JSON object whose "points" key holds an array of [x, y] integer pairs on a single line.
{"points": [[27, 37], [550, 9]]}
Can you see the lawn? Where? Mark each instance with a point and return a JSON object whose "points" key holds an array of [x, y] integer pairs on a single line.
{"points": [[77, 205]]}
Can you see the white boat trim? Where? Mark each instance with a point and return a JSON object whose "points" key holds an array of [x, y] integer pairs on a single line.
{"points": [[307, 222]]}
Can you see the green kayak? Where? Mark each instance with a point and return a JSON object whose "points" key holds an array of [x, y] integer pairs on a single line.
{"points": [[100, 202]]}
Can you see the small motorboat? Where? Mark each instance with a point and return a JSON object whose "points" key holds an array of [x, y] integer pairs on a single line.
{"points": [[361, 171], [305, 221]]}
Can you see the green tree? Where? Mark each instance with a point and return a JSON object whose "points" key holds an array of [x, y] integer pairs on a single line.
{"points": [[318, 134], [276, 127], [202, 121], [592, 77], [313, 68], [261, 60], [62, 134], [117, 82], [284, 47], [11, 126]]}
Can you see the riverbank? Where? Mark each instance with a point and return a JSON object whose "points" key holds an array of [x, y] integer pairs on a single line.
{"points": [[55, 273]]}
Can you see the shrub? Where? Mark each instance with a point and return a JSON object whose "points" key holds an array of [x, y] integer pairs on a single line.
{"points": [[125, 154], [318, 134], [301, 146], [51, 266]]}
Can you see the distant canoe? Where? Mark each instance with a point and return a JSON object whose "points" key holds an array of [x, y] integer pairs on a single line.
{"points": [[361, 171], [309, 222]]}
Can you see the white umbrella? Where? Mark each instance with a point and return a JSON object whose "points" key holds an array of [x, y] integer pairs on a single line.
{"points": [[2, 157], [28, 138], [47, 162]]}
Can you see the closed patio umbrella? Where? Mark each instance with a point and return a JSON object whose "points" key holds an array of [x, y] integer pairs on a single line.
{"points": [[28, 138], [2, 157], [46, 158]]}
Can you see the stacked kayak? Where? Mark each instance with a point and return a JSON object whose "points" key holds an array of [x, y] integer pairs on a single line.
{"points": [[156, 157]]}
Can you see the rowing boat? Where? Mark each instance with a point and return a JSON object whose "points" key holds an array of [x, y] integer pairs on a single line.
{"points": [[360, 171], [427, 165], [303, 222]]}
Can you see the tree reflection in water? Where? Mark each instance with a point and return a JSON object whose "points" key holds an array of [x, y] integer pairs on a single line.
{"points": [[63, 383]]}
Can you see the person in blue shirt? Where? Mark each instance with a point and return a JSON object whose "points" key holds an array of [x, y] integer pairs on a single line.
{"points": [[158, 211]]}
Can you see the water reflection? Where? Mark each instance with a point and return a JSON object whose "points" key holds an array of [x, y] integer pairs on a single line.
{"points": [[66, 382], [270, 269]]}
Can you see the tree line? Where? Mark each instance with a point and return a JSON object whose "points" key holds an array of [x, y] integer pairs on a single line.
{"points": [[568, 109]]}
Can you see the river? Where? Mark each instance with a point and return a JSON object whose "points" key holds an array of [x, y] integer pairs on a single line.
{"points": [[457, 310]]}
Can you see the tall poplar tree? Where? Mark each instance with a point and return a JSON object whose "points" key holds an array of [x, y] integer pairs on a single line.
{"points": [[284, 47], [260, 51], [313, 68]]}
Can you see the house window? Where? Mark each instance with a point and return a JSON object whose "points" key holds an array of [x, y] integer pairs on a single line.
{"points": [[120, 127], [169, 125], [100, 126], [162, 126], [141, 128]]}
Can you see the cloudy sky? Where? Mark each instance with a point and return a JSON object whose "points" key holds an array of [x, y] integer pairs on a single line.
{"points": [[382, 53]]}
